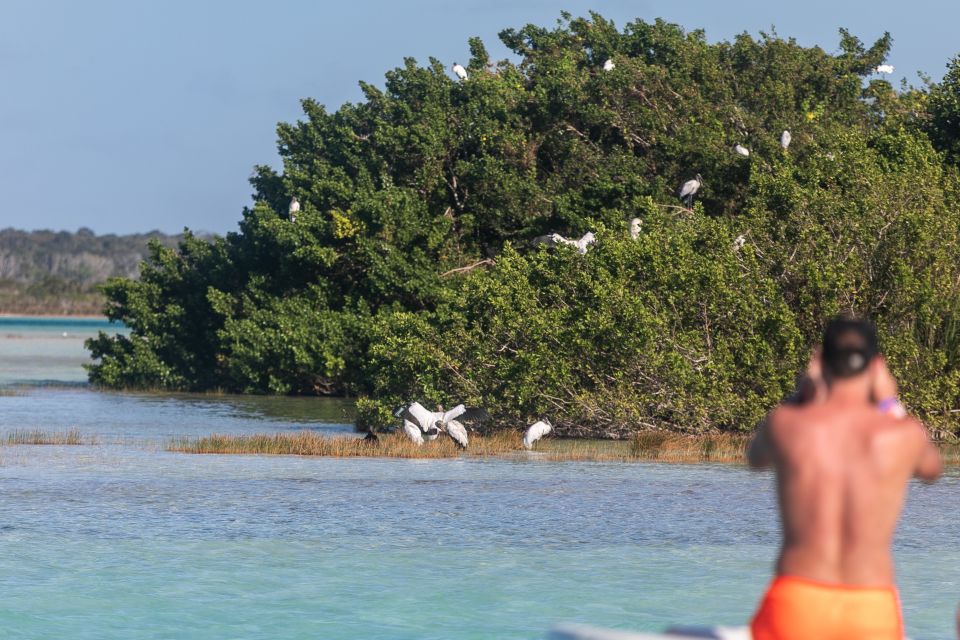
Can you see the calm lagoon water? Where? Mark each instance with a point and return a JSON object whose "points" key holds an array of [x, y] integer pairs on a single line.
{"points": [[125, 540]]}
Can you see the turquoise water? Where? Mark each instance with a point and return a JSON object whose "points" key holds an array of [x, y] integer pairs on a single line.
{"points": [[125, 540]]}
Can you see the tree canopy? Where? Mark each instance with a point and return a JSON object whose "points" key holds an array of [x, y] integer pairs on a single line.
{"points": [[409, 272]]}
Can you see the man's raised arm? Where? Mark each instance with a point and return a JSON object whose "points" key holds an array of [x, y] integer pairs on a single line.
{"points": [[759, 453]]}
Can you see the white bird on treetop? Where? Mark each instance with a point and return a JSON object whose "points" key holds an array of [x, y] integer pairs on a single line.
{"points": [[608, 65], [742, 150], [555, 239], [459, 70], [293, 209], [536, 431], [883, 68], [585, 241], [689, 189], [785, 138], [635, 226]]}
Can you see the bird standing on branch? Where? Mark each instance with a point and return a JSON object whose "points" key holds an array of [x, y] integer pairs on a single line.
{"points": [[293, 209], [689, 189]]}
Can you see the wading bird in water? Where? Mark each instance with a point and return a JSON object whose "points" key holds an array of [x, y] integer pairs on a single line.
{"points": [[536, 431]]}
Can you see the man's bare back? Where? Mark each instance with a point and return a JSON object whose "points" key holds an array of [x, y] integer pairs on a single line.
{"points": [[842, 471], [843, 461]]}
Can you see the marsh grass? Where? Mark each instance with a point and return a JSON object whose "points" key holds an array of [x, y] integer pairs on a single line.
{"points": [[643, 447], [35, 436]]}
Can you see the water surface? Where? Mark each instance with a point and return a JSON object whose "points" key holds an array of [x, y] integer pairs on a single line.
{"points": [[126, 540]]}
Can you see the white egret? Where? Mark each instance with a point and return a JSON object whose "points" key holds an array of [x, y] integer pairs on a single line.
{"points": [[742, 150], [555, 239], [739, 242], [413, 432], [635, 225], [608, 65], [585, 241], [293, 209], [884, 68], [785, 138], [459, 70], [536, 431], [457, 433], [689, 189]]}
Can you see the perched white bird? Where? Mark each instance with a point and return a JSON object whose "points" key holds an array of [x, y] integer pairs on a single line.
{"points": [[457, 433], [635, 225], [785, 139], [555, 239], [739, 242], [883, 68], [536, 431], [742, 150], [413, 432], [585, 241], [608, 65], [459, 70], [293, 209], [689, 189]]}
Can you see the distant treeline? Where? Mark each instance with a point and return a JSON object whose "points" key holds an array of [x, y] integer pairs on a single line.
{"points": [[58, 272]]}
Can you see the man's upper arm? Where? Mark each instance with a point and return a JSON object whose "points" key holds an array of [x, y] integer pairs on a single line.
{"points": [[760, 452], [929, 464]]}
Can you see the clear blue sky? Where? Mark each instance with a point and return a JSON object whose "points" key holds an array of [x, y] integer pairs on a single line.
{"points": [[132, 115]]}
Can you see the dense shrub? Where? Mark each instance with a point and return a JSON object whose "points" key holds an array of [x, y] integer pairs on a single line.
{"points": [[409, 273]]}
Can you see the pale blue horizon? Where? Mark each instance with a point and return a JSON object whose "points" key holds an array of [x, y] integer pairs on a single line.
{"points": [[125, 116]]}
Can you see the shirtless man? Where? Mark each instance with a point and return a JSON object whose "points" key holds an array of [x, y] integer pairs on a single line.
{"points": [[843, 461]]}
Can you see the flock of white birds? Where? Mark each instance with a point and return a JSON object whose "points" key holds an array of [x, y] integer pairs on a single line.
{"points": [[421, 425]]}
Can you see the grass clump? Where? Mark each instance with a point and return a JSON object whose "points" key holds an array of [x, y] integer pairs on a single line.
{"points": [[643, 447], [36, 436]]}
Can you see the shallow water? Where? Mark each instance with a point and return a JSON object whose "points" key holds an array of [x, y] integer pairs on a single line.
{"points": [[125, 540]]}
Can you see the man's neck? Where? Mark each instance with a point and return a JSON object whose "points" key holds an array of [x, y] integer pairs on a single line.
{"points": [[848, 392]]}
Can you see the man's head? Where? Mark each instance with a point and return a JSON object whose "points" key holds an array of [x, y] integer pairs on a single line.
{"points": [[849, 347]]}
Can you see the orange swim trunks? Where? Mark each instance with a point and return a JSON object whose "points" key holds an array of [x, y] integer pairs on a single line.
{"points": [[801, 609]]}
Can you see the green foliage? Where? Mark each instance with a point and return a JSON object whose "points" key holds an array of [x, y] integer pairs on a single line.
{"points": [[945, 112], [409, 272]]}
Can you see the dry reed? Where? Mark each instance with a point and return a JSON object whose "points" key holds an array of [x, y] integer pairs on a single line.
{"points": [[643, 447]]}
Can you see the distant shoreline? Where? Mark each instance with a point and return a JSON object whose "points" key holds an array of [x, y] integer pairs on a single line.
{"points": [[64, 316]]}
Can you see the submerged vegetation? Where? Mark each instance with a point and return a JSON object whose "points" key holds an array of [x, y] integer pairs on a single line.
{"points": [[36, 436], [409, 271]]}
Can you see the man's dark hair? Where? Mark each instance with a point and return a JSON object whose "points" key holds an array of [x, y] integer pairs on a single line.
{"points": [[849, 345]]}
